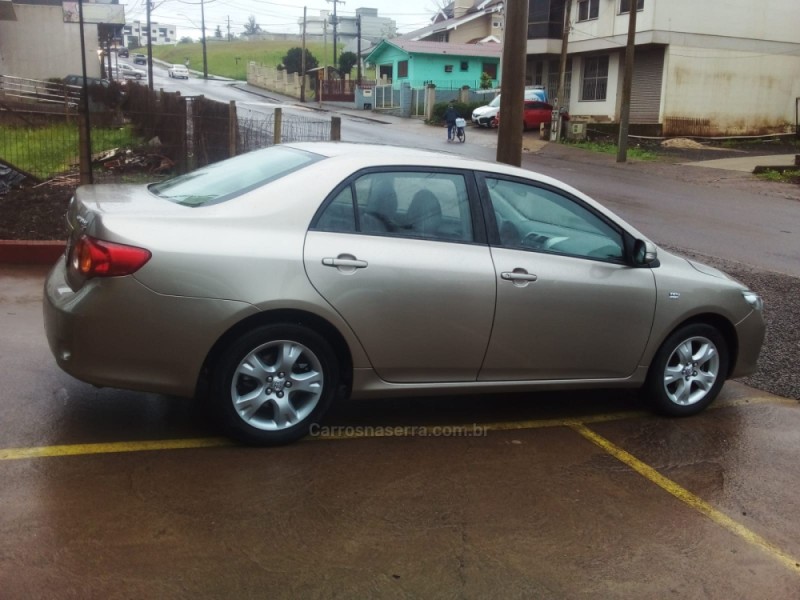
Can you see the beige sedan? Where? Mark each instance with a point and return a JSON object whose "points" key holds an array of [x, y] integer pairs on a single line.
{"points": [[282, 277]]}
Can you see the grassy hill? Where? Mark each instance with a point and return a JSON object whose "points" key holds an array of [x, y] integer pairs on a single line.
{"points": [[229, 59]]}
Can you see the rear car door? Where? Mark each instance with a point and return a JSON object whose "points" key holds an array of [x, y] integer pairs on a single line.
{"points": [[401, 255], [568, 304]]}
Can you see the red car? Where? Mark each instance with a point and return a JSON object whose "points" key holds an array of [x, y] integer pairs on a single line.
{"points": [[535, 113]]}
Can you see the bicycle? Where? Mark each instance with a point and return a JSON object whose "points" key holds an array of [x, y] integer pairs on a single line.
{"points": [[461, 134]]}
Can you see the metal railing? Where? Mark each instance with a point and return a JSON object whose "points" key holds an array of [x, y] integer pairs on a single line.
{"points": [[20, 89]]}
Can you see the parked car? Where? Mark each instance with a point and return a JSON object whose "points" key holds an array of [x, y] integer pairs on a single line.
{"points": [[129, 72], [122, 52], [281, 278], [486, 116], [77, 81], [179, 71], [534, 113], [139, 59]]}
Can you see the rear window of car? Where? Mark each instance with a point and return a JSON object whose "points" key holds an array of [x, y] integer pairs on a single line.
{"points": [[230, 178]]}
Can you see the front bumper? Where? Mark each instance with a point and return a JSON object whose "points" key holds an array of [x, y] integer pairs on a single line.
{"points": [[750, 333]]}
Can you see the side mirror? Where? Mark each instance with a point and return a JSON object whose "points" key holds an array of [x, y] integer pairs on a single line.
{"points": [[644, 254]]}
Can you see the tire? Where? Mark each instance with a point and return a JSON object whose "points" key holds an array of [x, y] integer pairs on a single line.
{"points": [[688, 371], [273, 383], [461, 135]]}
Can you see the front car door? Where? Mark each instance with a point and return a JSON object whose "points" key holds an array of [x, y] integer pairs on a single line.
{"points": [[402, 256], [568, 304]]}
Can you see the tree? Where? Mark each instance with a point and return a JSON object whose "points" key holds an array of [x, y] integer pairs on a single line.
{"points": [[347, 60], [293, 61], [486, 81], [186, 40], [218, 33], [251, 27]]}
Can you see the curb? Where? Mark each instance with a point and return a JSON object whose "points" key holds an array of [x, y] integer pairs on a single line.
{"points": [[30, 252]]}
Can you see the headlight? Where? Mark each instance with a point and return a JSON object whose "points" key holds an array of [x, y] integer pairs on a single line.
{"points": [[753, 300]]}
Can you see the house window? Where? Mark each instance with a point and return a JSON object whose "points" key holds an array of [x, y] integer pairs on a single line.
{"points": [[625, 6], [402, 68], [448, 68], [490, 69], [595, 78], [588, 9], [464, 65]]}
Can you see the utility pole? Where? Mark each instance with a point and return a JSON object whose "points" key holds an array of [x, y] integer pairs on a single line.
{"points": [[149, 47], [512, 88], [229, 28], [303, 62], [203, 25], [335, 22], [85, 144], [627, 84], [562, 69], [358, 44]]}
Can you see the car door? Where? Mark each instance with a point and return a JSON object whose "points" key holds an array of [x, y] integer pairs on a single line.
{"points": [[568, 304], [402, 256]]}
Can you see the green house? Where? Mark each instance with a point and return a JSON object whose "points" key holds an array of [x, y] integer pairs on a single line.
{"points": [[448, 66]]}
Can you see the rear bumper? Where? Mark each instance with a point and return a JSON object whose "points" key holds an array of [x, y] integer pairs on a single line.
{"points": [[116, 332]]}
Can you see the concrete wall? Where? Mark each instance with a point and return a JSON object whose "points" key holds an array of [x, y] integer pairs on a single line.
{"points": [[730, 93], [595, 110], [39, 45], [270, 78]]}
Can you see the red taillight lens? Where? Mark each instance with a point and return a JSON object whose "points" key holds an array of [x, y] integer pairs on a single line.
{"points": [[98, 258]]}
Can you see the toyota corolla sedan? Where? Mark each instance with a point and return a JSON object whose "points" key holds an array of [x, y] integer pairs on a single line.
{"points": [[288, 277]]}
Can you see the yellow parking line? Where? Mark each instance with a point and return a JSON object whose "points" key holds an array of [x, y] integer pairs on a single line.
{"points": [[356, 432], [82, 449], [688, 498]]}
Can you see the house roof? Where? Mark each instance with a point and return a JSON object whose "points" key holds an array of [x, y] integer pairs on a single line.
{"points": [[440, 23], [416, 47]]}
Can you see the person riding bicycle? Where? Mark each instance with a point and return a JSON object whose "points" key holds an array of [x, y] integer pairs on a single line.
{"points": [[450, 116]]}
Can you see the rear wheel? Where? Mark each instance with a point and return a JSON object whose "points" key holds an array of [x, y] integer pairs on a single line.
{"points": [[688, 371], [272, 384], [461, 134]]}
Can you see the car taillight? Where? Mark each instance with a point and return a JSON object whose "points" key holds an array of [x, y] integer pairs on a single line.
{"points": [[98, 258]]}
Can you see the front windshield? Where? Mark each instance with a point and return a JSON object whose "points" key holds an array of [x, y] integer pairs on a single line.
{"points": [[495, 103], [227, 179]]}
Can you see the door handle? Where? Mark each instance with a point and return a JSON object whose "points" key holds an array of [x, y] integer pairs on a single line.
{"points": [[518, 276], [353, 263]]}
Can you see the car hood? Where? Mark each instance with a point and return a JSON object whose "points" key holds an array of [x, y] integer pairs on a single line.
{"points": [[485, 110]]}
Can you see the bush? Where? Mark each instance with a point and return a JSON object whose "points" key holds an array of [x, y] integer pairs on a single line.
{"points": [[464, 110]]}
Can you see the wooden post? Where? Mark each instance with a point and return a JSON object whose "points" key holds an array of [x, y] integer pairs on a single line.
{"points": [[276, 134], [627, 84], [183, 151], [509, 138], [336, 129], [233, 128]]}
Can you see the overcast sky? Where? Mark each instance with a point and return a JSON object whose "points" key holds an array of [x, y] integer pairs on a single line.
{"points": [[282, 16]]}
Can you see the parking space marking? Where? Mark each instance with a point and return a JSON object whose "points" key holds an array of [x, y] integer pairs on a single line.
{"points": [[358, 432], [110, 448], [688, 497]]}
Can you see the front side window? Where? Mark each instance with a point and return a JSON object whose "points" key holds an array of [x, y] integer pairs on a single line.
{"points": [[595, 78], [534, 218], [402, 203], [588, 9]]}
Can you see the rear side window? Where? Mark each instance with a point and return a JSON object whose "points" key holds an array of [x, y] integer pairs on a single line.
{"points": [[230, 178]]}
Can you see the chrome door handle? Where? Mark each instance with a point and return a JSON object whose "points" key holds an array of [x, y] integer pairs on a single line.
{"points": [[515, 276], [344, 262]]}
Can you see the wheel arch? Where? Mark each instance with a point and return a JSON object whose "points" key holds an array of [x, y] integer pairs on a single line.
{"points": [[721, 324], [294, 316]]}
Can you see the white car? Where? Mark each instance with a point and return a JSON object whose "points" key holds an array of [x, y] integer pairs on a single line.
{"points": [[486, 116], [129, 72], [178, 71]]}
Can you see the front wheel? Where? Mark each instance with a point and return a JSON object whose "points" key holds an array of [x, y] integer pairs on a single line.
{"points": [[273, 383], [688, 371]]}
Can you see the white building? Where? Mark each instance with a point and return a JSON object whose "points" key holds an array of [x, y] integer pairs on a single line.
{"points": [[714, 67], [373, 27], [134, 34]]}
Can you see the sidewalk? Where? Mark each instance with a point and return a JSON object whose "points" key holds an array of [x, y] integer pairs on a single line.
{"points": [[747, 164]]}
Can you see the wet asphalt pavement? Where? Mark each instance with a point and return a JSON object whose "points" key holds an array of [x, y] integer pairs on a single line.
{"points": [[110, 494]]}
